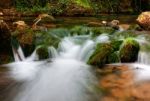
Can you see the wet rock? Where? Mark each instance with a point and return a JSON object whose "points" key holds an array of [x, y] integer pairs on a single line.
{"points": [[144, 20], [100, 55], [113, 58], [42, 52], [105, 53], [129, 50]]}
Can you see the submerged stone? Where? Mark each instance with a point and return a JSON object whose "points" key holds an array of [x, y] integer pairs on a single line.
{"points": [[129, 50]]}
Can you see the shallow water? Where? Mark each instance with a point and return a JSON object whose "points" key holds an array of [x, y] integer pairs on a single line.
{"points": [[72, 21]]}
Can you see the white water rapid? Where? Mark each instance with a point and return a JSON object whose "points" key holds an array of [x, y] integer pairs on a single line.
{"points": [[65, 77]]}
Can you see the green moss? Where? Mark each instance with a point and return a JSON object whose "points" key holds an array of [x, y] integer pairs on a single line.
{"points": [[42, 52], [134, 27], [113, 58], [80, 30], [129, 50], [100, 30], [124, 34], [100, 55], [47, 39], [105, 53], [116, 44]]}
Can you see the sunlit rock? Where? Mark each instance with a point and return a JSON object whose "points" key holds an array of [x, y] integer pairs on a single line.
{"points": [[144, 20]]}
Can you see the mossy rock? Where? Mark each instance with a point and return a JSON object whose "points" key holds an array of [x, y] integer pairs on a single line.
{"points": [[100, 30], [129, 50], [101, 54], [42, 52], [113, 58], [116, 44]]}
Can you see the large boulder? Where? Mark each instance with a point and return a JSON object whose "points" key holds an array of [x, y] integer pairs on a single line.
{"points": [[105, 53], [129, 50], [144, 20]]}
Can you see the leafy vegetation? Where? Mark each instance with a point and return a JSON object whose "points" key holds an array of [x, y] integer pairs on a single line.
{"points": [[97, 6]]}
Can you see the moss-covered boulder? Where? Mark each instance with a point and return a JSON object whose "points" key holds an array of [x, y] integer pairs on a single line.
{"points": [[113, 57], [42, 52], [100, 55], [129, 50], [105, 53]]}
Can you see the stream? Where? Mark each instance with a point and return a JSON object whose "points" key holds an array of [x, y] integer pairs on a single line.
{"points": [[66, 76]]}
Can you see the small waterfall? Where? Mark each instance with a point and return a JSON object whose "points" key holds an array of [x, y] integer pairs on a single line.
{"points": [[144, 54], [66, 78], [18, 54], [144, 58]]}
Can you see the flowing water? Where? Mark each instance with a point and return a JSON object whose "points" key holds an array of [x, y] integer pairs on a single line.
{"points": [[63, 77]]}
